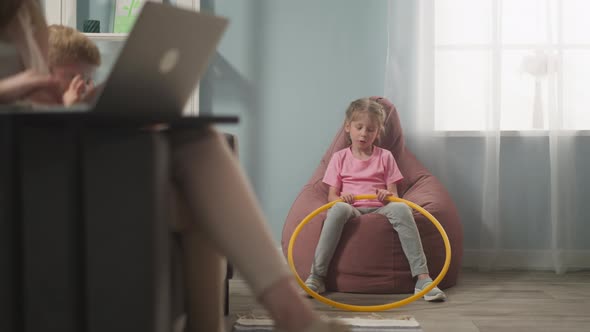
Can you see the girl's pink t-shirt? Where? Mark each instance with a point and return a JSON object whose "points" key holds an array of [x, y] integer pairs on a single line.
{"points": [[355, 176]]}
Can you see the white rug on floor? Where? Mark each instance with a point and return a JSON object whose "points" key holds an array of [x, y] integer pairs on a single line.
{"points": [[357, 324]]}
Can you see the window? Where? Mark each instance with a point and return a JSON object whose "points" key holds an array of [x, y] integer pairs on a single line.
{"points": [[520, 60]]}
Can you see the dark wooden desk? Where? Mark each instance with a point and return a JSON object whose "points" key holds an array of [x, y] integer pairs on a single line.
{"points": [[84, 243]]}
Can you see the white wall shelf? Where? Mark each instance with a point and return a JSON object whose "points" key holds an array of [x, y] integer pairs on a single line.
{"points": [[107, 36]]}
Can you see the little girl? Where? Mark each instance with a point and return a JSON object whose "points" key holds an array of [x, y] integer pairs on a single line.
{"points": [[363, 168]]}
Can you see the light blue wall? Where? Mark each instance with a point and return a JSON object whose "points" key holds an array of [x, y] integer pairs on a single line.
{"points": [[289, 69]]}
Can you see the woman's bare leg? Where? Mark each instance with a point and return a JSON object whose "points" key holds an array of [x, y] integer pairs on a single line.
{"points": [[223, 207], [282, 300]]}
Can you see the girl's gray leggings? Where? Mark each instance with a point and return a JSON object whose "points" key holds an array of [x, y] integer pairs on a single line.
{"points": [[399, 215]]}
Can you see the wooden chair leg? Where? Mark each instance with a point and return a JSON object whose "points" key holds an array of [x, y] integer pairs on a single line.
{"points": [[228, 275], [226, 307]]}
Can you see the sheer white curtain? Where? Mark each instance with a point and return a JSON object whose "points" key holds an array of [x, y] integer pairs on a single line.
{"points": [[492, 98]]}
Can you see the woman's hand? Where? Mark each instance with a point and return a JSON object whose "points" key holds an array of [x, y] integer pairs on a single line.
{"points": [[382, 194], [347, 198], [30, 85]]}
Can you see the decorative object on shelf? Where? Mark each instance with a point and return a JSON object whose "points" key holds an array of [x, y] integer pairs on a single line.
{"points": [[539, 65], [126, 12], [92, 26]]}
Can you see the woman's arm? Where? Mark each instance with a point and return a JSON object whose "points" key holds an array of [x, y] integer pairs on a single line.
{"points": [[27, 83]]}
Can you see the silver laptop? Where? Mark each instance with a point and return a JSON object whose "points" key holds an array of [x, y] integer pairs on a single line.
{"points": [[161, 62]]}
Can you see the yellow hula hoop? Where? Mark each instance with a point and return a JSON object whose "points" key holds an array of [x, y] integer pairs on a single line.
{"points": [[381, 307]]}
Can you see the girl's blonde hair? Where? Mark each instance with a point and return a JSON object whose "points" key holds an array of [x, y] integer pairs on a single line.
{"points": [[68, 45], [371, 107]]}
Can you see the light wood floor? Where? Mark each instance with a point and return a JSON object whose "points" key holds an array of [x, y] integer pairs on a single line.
{"points": [[481, 302]]}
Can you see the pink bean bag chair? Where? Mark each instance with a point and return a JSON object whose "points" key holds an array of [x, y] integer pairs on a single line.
{"points": [[369, 257]]}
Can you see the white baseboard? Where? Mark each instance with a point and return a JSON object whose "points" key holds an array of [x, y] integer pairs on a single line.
{"points": [[504, 259], [568, 260]]}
